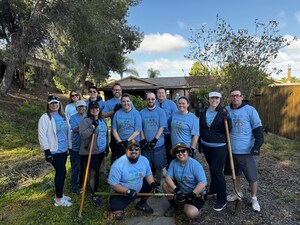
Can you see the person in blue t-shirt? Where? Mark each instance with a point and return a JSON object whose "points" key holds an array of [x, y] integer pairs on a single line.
{"points": [[126, 125], [186, 179], [55, 140], [93, 96], [214, 145], [153, 123], [76, 174], [130, 175], [93, 124], [169, 107], [184, 125], [70, 108], [246, 138]]}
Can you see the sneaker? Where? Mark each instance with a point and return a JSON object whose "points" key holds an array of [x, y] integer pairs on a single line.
{"points": [[255, 204], [144, 207], [219, 206], [169, 212], [119, 214], [67, 198], [62, 202], [97, 201], [233, 197]]}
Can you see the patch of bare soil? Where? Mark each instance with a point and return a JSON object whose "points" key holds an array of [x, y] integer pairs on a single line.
{"points": [[278, 195]]}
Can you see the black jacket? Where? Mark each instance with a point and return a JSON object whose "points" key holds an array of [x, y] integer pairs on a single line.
{"points": [[216, 132]]}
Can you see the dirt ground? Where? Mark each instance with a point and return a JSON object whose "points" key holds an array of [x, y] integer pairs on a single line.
{"points": [[278, 190]]}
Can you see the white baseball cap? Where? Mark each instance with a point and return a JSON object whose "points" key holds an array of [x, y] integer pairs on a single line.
{"points": [[80, 103], [214, 94]]}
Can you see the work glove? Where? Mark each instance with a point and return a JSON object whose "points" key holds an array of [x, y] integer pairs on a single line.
{"points": [[152, 143], [191, 197], [95, 123], [132, 194], [193, 152], [153, 187], [178, 194], [255, 150], [123, 144], [117, 107], [48, 156], [144, 143]]}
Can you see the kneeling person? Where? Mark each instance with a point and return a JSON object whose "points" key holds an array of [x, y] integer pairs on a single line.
{"points": [[186, 179], [129, 175]]}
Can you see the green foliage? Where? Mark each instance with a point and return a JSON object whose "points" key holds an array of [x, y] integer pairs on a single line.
{"points": [[152, 73], [198, 69], [238, 58], [138, 102], [31, 110]]}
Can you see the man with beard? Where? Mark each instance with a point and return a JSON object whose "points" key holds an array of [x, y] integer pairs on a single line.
{"points": [[153, 123], [111, 106], [130, 175], [169, 107]]}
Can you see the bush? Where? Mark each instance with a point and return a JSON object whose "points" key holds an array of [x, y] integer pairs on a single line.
{"points": [[138, 102]]}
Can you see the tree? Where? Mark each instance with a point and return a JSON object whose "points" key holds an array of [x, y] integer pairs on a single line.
{"points": [[152, 73], [125, 69], [198, 69], [238, 59]]}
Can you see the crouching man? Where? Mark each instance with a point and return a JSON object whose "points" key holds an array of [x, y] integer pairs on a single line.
{"points": [[129, 175], [186, 179]]}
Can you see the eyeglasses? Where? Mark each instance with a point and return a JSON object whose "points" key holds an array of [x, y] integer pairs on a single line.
{"points": [[149, 99], [75, 95], [92, 91], [134, 148], [182, 151], [235, 96]]}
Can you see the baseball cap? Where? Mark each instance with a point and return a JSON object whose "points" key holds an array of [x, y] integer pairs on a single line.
{"points": [[93, 105], [133, 142], [80, 103], [52, 98]]}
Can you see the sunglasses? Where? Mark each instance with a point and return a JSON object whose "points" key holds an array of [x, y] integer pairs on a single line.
{"points": [[92, 91], [75, 95], [134, 149], [182, 151]]}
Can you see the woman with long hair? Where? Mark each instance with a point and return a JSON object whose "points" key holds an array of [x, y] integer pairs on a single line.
{"points": [[70, 109]]}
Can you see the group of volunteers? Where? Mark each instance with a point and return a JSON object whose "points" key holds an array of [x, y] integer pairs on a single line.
{"points": [[164, 134]]}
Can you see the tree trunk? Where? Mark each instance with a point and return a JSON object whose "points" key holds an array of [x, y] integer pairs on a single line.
{"points": [[22, 77], [8, 77]]}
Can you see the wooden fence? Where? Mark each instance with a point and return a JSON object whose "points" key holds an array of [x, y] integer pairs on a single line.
{"points": [[279, 109]]}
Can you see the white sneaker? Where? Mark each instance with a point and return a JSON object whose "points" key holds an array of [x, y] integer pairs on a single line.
{"points": [[63, 202], [67, 198], [255, 204], [233, 197]]}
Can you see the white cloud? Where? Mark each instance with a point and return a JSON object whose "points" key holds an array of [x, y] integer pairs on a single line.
{"points": [[288, 56], [162, 43], [297, 15], [181, 24]]}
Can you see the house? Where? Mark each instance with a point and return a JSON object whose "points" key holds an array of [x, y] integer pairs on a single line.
{"points": [[173, 85]]}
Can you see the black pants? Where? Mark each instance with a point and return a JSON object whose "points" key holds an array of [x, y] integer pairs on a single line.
{"points": [[94, 173], [216, 157], [59, 164], [113, 148]]}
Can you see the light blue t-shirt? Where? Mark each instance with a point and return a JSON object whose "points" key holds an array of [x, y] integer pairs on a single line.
{"points": [[210, 116], [183, 128], [169, 107], [128, 174], [61, 133], [244, 120], [102, 135], [152, 120], [126, 123], [110, 105], [70, 110], [188, 176], [74, 122]]}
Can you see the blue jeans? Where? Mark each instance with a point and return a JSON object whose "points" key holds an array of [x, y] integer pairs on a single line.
{"points": [[75, 168], [216, 157]]}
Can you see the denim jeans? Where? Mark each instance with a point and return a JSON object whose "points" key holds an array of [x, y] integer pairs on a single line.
{"points": [[75, 168]]}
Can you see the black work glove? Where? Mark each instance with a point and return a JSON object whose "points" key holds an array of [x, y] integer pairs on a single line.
{"points": [[178, 194], [152, 143], [117, 107], [255, 150], [153, 187], [123, 144], [48, 156], [144, 143], [191, 197], [193, 152], [95, 123], [132, 194]]}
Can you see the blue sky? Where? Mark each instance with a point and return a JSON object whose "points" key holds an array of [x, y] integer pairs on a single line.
{"points": [[166, 25]]}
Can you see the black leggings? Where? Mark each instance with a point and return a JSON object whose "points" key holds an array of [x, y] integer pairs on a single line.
{"points": [[59, 164]]}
